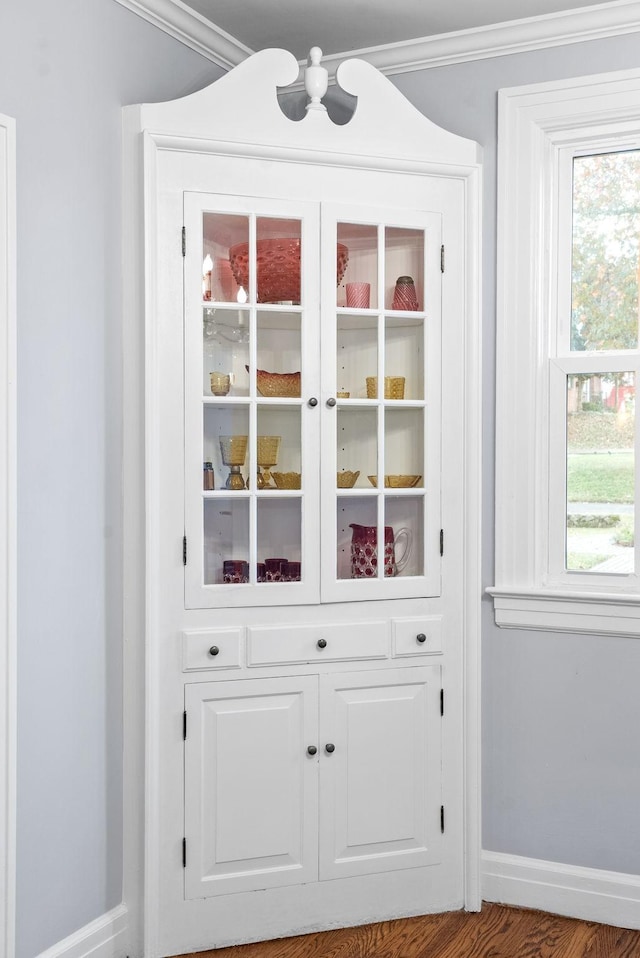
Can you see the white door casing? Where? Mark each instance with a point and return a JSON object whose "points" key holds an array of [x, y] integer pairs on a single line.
{"points": [[7, 532]]}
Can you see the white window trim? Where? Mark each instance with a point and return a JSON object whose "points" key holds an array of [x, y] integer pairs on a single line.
{"points": [[538, 126], [7, 533]]}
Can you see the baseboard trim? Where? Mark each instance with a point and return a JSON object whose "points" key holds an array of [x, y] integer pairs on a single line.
{"points": [[612, 898], [105, 937]]}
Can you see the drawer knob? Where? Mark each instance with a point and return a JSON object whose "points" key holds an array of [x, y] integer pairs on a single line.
{"points": [[421, 637], [313, 402], [322, 643], [331, 402], [214, 650], [311, 750], [329, 747]]}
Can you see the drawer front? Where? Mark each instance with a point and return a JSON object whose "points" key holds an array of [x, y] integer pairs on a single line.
{"points": [[407, 632], [198, 649], [284, 645]]}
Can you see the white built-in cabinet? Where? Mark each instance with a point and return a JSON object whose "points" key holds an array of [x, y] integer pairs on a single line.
{"points": [[310, 294]]}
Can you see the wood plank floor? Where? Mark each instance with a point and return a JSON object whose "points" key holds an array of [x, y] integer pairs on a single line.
{"points": [[497, 931]]}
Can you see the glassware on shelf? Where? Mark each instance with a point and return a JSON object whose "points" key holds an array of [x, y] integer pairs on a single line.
{"points": [[364, 551], [404, 296], [267, 457], [358, 295], [278, 264], [235, 571], [287, 480], [393, 387], [234, 452], [208, 483], [347, 479], [220, 383]]}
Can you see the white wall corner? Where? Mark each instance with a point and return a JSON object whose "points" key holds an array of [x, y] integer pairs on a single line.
{"points": [[105, 937], [590, 894]]}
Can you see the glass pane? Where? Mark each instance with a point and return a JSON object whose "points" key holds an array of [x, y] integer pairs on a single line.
{"points": [[279, 546], [357, 518], [226, 541], [600, 472], [403, 448], [404, 535], [278, 249], [278, 355], [358, 281], [357, 447], [356, 356], [226, 445], [404, 358], [404, 269], [222, 232], [225, 352], [278, 455], [606, 234]]}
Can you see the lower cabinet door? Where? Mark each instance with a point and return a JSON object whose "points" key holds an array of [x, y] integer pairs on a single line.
{"points": [[251, 788], [380, 780]]}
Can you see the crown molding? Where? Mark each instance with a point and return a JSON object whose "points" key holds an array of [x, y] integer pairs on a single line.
{"points": [[501, 39], [186, 25], [610, 19]]}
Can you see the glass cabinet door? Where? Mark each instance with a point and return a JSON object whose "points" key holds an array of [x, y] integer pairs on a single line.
{"points": [[381, 389], [251, 387]]}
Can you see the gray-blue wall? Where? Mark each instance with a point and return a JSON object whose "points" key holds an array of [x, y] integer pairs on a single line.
{"points": [[66, 69], [561, 749], [561, 712]]}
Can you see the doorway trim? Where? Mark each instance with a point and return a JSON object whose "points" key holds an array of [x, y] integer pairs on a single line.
{"points": [[7, 532]]}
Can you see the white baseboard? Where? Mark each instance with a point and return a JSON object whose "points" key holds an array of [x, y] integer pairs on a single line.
{"points": [[103, 938], [612, 898]]}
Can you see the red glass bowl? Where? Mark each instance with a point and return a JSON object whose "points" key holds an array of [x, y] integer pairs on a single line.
{"points": [[278, 268]]}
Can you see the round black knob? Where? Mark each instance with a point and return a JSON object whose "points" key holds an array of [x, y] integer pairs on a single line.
{"points": [[313, 401], [312, 750], [421, 637], [329, 747], [321, 643], [331, 402], [214, 650]]}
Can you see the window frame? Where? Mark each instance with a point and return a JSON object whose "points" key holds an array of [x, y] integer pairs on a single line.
{"points": [[541, 128]]}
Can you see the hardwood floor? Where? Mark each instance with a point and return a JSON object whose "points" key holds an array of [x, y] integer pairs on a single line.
{"points": [[496, 932]]}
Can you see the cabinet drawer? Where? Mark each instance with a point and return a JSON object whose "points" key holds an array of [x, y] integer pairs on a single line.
{"points": [[275, 645], [406, 631], [197, 649]]}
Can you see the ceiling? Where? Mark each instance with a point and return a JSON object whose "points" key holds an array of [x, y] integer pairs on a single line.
{"points": [[339, 26]]}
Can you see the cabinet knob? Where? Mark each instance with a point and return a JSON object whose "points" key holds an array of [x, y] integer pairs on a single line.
{"points": [[311, 750], [313, 401], [321, 643], [331, 402], [421, 637], [214, 650], [329, 747]]}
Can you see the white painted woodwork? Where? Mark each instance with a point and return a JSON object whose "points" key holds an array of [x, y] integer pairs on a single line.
{"points": [[242, 789], [285, 645], [542, 127], [8, 518], [407, 636], [250, 786], [380, 789]]}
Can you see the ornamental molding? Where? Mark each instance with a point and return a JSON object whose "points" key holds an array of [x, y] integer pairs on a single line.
{"points": [[615, 18]]}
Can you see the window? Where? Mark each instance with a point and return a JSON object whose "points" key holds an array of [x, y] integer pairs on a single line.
{"points": [[568, 356]]}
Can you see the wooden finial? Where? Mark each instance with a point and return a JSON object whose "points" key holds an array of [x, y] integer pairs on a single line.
{"points": [[316, 80]]}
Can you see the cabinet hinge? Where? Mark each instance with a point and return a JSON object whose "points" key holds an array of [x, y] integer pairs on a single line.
{"points": [[184, 852], [441, 706], [442, 818], [442, 542], [442, 259], [184, 725], [184, 550], [184, 241]]}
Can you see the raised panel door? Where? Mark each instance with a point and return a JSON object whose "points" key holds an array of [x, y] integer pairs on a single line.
{"points": [[250, 785], [380, 785]]}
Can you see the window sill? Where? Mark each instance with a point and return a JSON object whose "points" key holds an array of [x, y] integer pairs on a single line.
{"points": [[595, 613]]}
